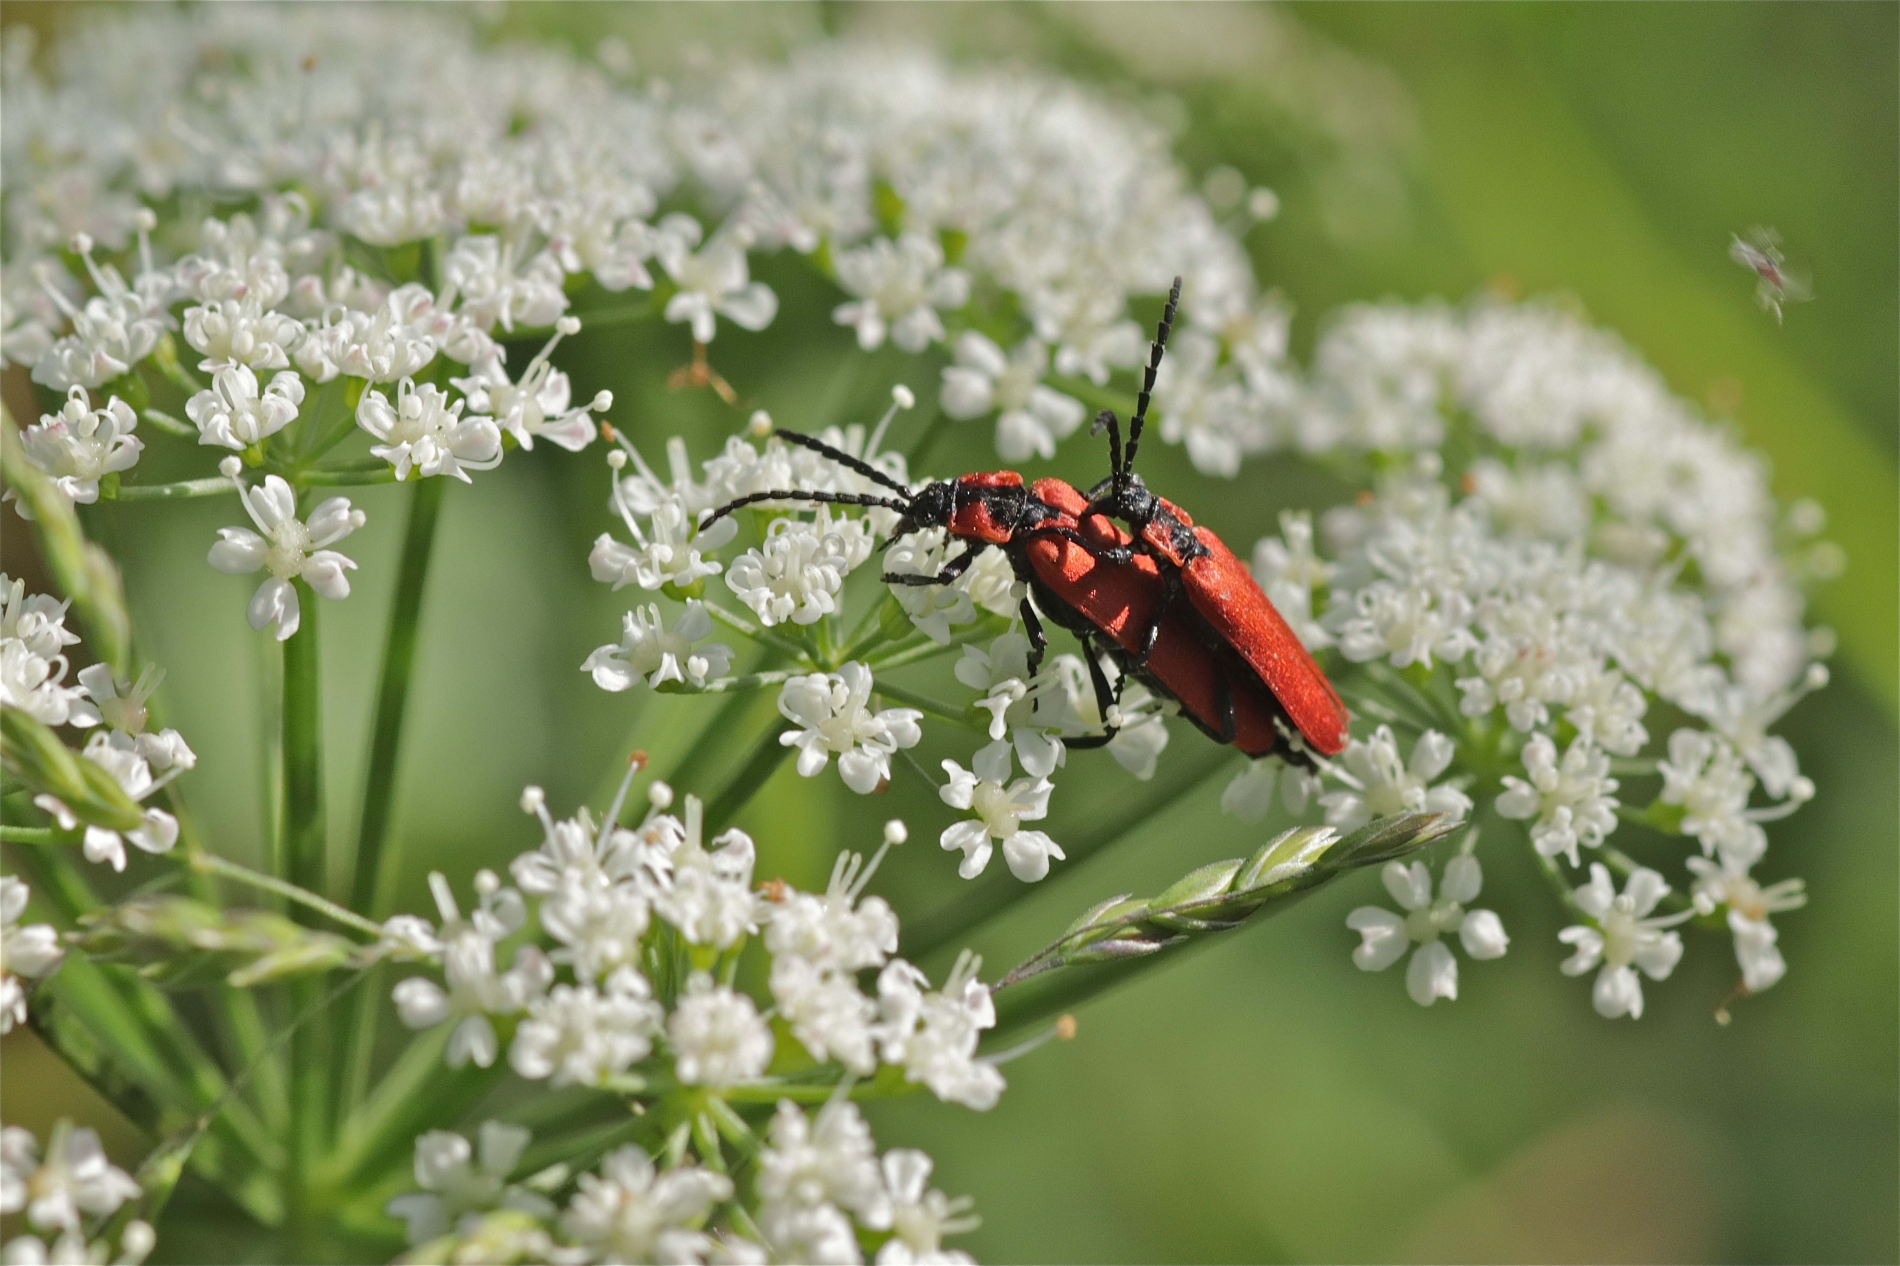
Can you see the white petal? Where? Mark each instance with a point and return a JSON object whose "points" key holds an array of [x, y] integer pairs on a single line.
{"points": [[1462, 880], [1410, 886], [275, 600], [1383, 937], [327, 572], [1432, 974], [1482, 934], [1617, 992], [239, 552], [1028, 854]]}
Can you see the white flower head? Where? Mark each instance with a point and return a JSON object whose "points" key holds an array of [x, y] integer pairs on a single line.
{"points": [[289, 548], [933, 1035], [1031, 712], [717, 1036], [713, 281], [829, 1159], [36, 621], [27, 952], [1032, 418], [1001, 807], [899, 286], [1381, 784], [580, 1035], [921, 1215], [73, 1181], [709, 898], [459, 1183], [236, 414], [798, 571], [158, 831], [498, 287], [632, 1212], [1726, 884], [1385, 936], [650, 652], [668, 551], [935, 609], [1570, 803], [80, 444], [1623, 937], [1708, 779], [539, 404], [241, 332], [425, 431], [833, 711]]}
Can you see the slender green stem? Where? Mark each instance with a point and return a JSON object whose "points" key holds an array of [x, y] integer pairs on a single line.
{"points": [[321, 478], [29, 835], [935, 707], [217, 486], [745, 681], [368, 888], [767, 755], [744, 627], [169, 424], [211, 863]]}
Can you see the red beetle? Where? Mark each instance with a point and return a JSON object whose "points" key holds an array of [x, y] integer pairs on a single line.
{"points": [[1198, 566]]}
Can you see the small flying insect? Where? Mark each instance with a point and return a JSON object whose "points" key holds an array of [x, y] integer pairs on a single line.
{"points": [[1759, 251]]}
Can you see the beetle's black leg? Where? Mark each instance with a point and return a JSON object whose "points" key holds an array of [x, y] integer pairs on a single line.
{"points": [[1224, 708], [1038, 640], [946, 575], [1115, 554], [1106, 698]]}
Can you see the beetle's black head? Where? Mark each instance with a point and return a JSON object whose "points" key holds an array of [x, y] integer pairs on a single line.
{"points": [[1126, 498], [930, 506]]}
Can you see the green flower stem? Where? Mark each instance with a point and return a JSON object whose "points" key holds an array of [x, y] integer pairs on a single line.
{"points": [[912, 651], [373, 866], [30, 835], [924, 703], [305, 866], [745, 681], [1095, 397], [417, 1094], [333, 478], [216, 486], [169, 424], [369, 888], [745, 628], [767, 755], [992, 895], [212, 864]]}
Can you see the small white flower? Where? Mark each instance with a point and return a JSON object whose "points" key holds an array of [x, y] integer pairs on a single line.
{"points": [[36, 621], [1249, 795], [667, 552], [841, 930], [1433, 973], [1143, 732], [425, 431], [630, 1212], [1383, 785], [1218, 419], [717, 1037], [111, 333], [830, 1159], [539, 405], [1033, 418], [289, 548], [235, 414], [80, 444], [921, 1215], [497, 287], [933, 1035], [1729, 884], [458, 1184], [1032, 713], [1709, 780], [156, 834], [1570, 804], [580, 1036], [475, 989], [26, 952], [1290, 573], [798, 570], [710, 899], [241, 332], [826, 1012], [833, 711], [714, 282], [816, 1235], [35, 683], [899, 287], [72, 1182], [651, 653], [1623, 939], [1001, 808]]}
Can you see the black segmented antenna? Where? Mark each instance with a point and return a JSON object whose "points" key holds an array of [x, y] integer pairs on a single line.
{"points": [[1106, 418], [843, 459], [828, 498], [1148, 385]]}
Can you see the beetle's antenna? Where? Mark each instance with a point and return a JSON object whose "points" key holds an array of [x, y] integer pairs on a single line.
{"points": [[1106, 418], [829, 498], [1148, 385], [843, 459]]}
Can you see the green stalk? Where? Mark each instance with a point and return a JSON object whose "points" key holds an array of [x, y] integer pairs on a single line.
{"points": [[215, 486], [303, 854], [367, 889], [767, 755]]}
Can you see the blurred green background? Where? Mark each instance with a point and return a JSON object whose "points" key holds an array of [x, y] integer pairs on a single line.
{"points": [[1265, 1100]]}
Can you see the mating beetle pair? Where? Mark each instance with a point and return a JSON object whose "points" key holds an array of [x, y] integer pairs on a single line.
{"points": [[1166, 599]]}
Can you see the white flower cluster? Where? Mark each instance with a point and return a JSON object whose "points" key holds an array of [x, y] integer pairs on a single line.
{"points": [[818, 1179], [27, 952], [581, 994], [1603, 550], [68, 1195]]}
